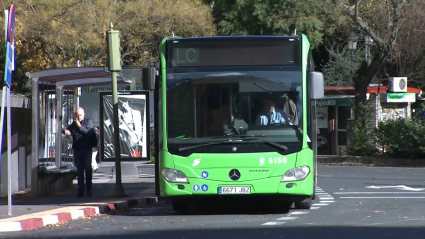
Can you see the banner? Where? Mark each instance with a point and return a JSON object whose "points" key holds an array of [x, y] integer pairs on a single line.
{"points": [[133, 114]]}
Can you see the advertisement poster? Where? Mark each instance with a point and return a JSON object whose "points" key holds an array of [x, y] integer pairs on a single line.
{"points": [[90, 101], [49, 116], [133, 114]]}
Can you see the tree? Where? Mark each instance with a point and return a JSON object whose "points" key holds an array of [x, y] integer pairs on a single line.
{"points": [[408, 58], [275, 17], [144, 23], [381, 20], [77, 28], [341, 66], [53, 35]]}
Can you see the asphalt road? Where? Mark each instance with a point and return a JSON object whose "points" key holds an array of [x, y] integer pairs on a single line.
{"points": [[355, 202]]}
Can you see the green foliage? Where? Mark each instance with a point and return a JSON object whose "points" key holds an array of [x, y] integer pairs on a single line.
{"points": [[363, 141], [401, 138], [342, 65], [275, 17]]}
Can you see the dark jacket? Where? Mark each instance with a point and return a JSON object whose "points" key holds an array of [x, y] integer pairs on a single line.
{"points": [[290, 110], [82, 137]]}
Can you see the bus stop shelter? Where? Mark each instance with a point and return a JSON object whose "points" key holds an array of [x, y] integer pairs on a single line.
{"points": [[58, 80]]}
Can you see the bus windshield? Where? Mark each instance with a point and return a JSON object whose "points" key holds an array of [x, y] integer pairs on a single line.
{"points": [[202, 106]]}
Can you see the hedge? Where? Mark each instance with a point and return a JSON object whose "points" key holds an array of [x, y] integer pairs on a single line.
{"points": [[399, 138]]}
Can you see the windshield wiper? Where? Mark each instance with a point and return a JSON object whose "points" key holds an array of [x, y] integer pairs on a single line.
{"points": [[238, 136], [256, 137], [207, 144], [235, 139]]}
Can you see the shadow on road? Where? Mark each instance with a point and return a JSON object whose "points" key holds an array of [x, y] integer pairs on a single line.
{"points": [[260, 232], [164, 208]]}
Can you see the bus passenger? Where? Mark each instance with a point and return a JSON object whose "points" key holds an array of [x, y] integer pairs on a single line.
{"points": [[271, 115]]}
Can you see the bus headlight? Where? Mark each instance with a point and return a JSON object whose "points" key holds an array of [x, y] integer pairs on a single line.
{"points": [[296, 174], [174, 176]]}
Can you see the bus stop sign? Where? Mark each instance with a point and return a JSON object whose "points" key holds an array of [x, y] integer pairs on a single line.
{"points": [[11, 25], [9, 65], [10, 31]]}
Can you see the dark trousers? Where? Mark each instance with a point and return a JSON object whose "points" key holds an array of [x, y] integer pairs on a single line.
{"points": [[83, 164]]}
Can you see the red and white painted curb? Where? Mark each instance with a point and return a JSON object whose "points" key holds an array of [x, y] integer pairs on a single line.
{"points": [[42, 221]]}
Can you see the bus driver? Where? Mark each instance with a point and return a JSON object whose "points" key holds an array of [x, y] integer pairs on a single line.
{"points": [[271, 115]]}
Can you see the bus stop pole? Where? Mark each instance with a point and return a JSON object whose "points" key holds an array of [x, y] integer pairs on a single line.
{"points": [[114, 65]]}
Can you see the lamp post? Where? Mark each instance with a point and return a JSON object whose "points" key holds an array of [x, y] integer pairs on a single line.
{"points": [[368, 41], [352, 43]]}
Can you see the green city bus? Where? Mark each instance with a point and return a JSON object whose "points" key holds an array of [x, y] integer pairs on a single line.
{"points": [[235, 116]]}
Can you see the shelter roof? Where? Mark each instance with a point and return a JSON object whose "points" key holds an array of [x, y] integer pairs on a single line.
{"points": [[84, 76]]}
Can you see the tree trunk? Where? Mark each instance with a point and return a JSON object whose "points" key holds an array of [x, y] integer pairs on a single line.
{"points": [[361, 84], [360, 102], [360, 106]]}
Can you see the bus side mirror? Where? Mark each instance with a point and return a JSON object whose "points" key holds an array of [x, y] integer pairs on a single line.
{"points": [[148, 78], [317, 86]]}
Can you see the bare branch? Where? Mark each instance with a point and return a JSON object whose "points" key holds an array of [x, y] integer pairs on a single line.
{"points": [[356, 9], [397, 6], [389, 24], [363, 25], [94, 58], [65, 11], [31, 7]]}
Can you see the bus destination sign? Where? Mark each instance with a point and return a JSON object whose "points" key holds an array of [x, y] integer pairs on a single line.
{"points": [[195, 54]]}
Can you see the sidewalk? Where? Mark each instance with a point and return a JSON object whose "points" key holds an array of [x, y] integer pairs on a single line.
{"points": [[29, 213]]}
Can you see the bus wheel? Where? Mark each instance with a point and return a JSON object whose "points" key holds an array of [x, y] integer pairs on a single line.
{"points": [[179, 205], [304, 204]]}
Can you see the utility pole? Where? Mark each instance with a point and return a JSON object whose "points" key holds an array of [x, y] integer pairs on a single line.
{"points": [[114, 65], [9, 65]]}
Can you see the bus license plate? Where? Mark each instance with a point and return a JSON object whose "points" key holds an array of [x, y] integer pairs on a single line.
{"points": [[234, 190]]}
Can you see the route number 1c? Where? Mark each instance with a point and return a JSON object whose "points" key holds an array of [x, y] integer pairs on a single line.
{"points": [[186, 55]]}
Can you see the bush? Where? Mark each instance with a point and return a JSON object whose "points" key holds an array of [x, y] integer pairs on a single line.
{"points": [[363, 140], [402, 138]]}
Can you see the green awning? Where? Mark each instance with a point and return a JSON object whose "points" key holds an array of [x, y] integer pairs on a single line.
{"points": [[336, 100]]}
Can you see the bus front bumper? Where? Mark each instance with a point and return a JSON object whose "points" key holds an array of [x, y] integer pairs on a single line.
{"points": [[266, 186]]}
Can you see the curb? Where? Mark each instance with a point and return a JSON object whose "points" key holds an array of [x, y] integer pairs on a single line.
{"points": [[369, 161], [42, 221]]}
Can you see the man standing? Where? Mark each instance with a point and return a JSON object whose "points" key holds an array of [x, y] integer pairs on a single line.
{"points": [[83, 137]]}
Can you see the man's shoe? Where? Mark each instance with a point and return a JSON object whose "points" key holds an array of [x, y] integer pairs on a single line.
{"points": [[80, 195], [89, 194]]}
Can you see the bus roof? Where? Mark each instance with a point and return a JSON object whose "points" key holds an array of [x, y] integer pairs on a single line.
{"points": [[235, 38]]}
